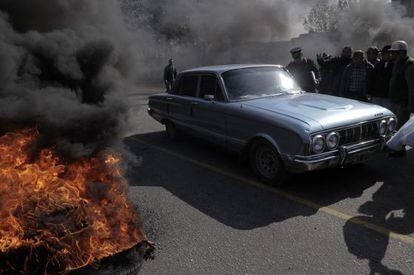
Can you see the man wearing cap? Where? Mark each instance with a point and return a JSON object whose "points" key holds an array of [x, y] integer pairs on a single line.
{"points": [[379, 85], [402, 83], [303, 70], [170, 74], [356, 77], [373, 55]]}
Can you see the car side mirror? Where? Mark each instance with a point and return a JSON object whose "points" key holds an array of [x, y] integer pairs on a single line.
{"points": [[209, 97]]}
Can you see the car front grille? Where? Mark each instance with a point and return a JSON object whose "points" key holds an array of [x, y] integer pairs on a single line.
{"points": [[365, 131]]}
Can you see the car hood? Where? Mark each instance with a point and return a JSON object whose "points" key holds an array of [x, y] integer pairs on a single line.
{"points": [[327, 111]]}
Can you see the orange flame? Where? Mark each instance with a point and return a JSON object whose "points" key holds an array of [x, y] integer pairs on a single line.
{"points": [[78, 212]]}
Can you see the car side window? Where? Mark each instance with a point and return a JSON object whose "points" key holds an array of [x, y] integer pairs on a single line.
{"points": [[210, 86], [188, 85]]}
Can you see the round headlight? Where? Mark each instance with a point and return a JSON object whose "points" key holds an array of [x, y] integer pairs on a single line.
{"points": [[318, 144], [332, 141], [392, 125], [383, 127]]}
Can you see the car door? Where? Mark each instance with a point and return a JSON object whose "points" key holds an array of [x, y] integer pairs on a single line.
{"points": [[208, 110], [181, 99]]}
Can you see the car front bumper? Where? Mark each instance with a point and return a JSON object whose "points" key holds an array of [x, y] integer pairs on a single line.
{"points": [[343, 155]]}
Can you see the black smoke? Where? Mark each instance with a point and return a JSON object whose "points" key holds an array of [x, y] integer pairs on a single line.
{"points": [[197, 33], [66, 67]]}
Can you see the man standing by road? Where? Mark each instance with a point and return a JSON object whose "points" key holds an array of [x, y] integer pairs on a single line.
{"points": [[325, 73], [379, 85], [336, 66], [402, 83], [170, 74], [356, 77], [303, 70]]}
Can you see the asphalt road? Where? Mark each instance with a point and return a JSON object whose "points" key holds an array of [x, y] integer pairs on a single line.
{"points": [[208, 215]]}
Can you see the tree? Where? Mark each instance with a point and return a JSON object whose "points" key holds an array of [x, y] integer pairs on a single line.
{"points": [[150, 15], [324, 16], [343, 5]]}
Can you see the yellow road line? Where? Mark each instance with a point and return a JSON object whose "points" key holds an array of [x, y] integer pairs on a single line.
{"points": [[332, 212]]}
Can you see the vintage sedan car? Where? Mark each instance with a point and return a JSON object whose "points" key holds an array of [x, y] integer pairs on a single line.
{"points": [[259, 112]]}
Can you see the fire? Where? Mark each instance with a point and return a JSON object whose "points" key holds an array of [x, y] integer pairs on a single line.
{"points": [[64, 216]]}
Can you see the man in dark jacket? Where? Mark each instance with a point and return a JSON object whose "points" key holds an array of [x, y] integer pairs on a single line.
{"points": [[402, 83], [379, 85], [336, 67], [303, 70], [356, 77], [170, 74], [325, 73], [373, 55]]}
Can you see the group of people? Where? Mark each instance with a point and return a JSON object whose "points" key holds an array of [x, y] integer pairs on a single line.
{"points": [[383, 77]]}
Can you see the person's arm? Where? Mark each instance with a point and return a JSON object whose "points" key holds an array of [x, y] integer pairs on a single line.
{"points": [[288, 67], [409, 76], [326, 63], [314, 69], [321, 62]]}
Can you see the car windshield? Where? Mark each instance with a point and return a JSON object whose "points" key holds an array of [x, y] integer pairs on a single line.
{"points": [[258, 82]]}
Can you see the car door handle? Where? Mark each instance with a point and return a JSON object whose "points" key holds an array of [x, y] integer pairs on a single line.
{"points": [[194, 103], [169, 98]]}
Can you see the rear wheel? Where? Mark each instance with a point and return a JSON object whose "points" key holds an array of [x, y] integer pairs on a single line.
{"points": [[171, 130], [266, 163]]}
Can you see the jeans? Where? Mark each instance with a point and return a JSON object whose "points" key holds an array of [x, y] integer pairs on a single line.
{"points": [[402, 113]]}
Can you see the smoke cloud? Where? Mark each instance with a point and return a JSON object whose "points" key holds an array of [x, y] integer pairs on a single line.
{"points": [[376, 22], [196, 32], [242, 31], [66, 67]]}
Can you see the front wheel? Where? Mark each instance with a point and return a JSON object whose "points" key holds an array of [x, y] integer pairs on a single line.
{"points": [[266, 163]]}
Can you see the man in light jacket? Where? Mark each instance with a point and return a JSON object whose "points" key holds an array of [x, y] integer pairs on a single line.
{"points": [[404, 137]]}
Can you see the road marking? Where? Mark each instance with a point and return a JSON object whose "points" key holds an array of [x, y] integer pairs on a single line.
{"points": [[330, 211]]}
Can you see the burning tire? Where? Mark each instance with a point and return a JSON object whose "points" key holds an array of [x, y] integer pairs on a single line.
{"points": [[125, 263], [59, 216]]}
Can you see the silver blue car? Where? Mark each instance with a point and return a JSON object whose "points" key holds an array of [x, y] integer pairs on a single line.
{"points": [[259, 112]]}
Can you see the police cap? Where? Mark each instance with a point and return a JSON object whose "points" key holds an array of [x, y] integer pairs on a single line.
{"points": [[296, 50]]}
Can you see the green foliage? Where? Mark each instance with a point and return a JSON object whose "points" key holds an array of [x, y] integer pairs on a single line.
{"points": [[324, 15], [151, 15]]}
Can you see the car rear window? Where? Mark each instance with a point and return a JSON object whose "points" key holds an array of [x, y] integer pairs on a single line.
{"points": [[210, 86], [188, 85]]}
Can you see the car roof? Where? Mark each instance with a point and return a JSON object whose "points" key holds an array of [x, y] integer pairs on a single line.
{"points": [[224, 68]]}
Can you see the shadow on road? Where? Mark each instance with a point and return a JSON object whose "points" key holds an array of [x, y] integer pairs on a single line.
{"points": [[392, 207], [224, 198], [246, 207]]}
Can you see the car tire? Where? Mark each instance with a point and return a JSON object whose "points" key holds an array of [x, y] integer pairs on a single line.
{"points": [[266, 163], [171, 130]]}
